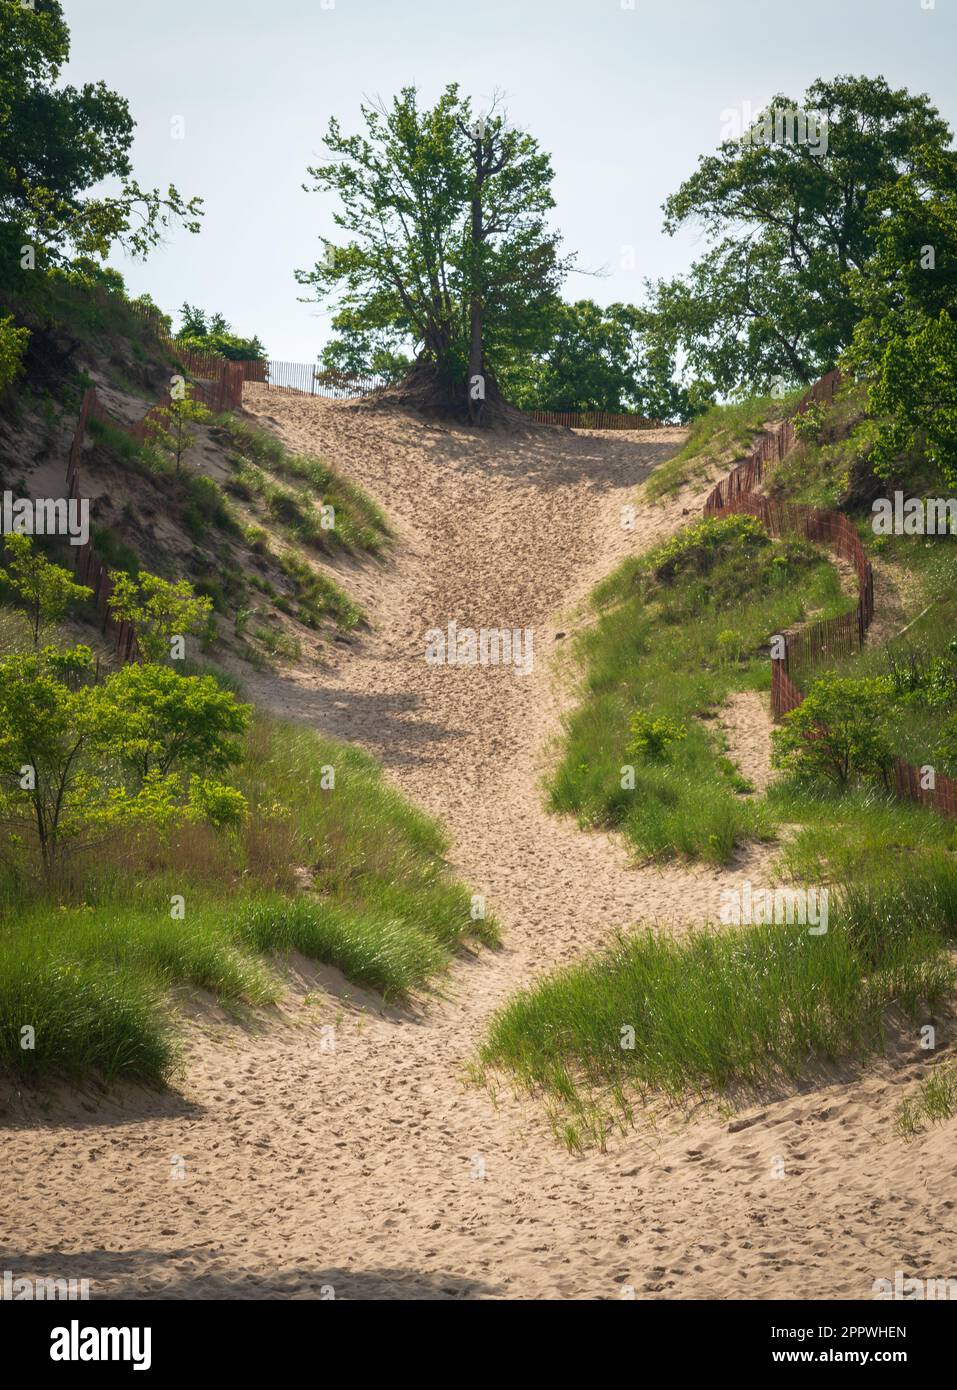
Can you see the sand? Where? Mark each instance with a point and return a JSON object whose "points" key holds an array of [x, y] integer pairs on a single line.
{"points": [[375, 1170]]}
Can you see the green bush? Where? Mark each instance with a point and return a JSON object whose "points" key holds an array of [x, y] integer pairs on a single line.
{"points": [[13, 345], [651, 738], [698, 548], [839, 734]]}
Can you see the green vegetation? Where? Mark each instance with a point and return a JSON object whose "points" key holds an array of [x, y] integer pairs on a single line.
{"points": [[169, 425], [790, 216], [213, 335], [13, 344], [934, 1101], [57, 144], [118, 777], [727, 1013], [320, 509], [446, 247], [597, 358], [677, 631], [46, 591], [330, 862], [913, 676], [839, 734], [721, 434]]}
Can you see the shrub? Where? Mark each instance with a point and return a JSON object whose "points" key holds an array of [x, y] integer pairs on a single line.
{"points": [[651, 738], [698, 548], [839, 734], [13, 344], [810, 424]]}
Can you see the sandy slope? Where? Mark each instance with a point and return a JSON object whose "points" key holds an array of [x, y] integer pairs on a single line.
{"points": [[373, 1169]]}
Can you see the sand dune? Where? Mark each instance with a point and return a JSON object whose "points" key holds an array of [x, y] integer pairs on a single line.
{"points": [[375, 1170]]}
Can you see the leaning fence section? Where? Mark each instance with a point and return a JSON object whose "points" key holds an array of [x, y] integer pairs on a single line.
{"points": [[91, 568], [594, 419], [831, 638]]}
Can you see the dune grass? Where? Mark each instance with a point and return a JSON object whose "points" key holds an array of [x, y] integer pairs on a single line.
{"points": [[333, 863], [260, 459], [934, 1101], [725, 1013], [718, 436], [674, 637]]}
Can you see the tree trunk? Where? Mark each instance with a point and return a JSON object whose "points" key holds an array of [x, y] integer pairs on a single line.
{"points": [[476, 375], [476, 372]]}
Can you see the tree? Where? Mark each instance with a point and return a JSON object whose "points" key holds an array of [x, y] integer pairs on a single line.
{"points": [[360, 352], [448, 246], [47, 590], [838, 734], [162, 720], [169, 424], [905, 345], [597, 359], [214, 335], [79, 760], [789, 220], [13, 344], [160, 611], [59, 142]]}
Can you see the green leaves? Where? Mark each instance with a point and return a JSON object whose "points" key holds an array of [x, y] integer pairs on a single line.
{"points": [[137, 750], [789, 226], [596, 359], [905, 345], [58, 142], [839, 734], [160, 610], [48, 591], [438, 222]]}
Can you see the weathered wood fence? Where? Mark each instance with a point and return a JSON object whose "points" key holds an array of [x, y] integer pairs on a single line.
{"points": [[830, 638], [593, 420]]}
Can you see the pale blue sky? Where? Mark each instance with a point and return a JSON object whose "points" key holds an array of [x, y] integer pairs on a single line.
{"points": [[623, 99]]}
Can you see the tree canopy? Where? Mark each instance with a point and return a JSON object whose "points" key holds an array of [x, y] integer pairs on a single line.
{"points": [[789, 220], [446, 243], [56, 143]]}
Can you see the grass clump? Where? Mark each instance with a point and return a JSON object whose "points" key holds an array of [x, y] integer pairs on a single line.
{"points": [[723, 1012], [314, 504], [678, 630], [934, 1101], [718, 436], [332, 862]]}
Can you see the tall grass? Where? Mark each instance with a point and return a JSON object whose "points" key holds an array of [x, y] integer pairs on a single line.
{"points": [[725, 1011], [360, 525], [342, 870], [718, 435], [677, 647], [934, 1101]]}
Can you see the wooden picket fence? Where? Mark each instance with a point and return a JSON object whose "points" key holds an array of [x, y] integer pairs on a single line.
{"points": [[593, 420], [220, 389], [830, 638]]}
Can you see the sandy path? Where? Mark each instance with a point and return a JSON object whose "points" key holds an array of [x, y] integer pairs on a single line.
{"points": [[373, 1170]]}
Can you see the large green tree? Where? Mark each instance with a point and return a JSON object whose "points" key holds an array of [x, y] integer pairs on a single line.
{"points": [[446, 242], [905, 344], [57, 143], [597, 359], [789, 220]]}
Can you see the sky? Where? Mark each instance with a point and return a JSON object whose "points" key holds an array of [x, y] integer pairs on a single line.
{"points": [[623, 94]]}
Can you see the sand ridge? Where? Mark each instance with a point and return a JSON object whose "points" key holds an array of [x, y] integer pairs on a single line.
{"points": [[375, 1170]]}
